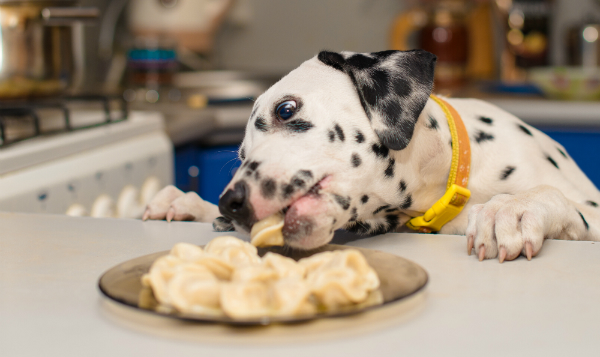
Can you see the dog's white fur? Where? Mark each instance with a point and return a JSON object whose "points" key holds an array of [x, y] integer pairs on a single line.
{"points": [[504, 217]]}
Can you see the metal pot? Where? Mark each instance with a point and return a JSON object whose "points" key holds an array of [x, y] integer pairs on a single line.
{"points": [[36, 46]]}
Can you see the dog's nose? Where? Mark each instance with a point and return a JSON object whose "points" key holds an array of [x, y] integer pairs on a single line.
{"points": [[234, 204]]}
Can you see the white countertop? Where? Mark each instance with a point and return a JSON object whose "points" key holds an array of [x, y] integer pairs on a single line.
{"points": [[50, 304]]}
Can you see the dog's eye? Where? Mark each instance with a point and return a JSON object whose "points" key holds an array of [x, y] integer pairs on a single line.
{"points": [[286, 109]]}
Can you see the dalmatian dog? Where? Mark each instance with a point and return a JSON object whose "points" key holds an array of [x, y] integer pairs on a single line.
{"points": [[353, 141]]}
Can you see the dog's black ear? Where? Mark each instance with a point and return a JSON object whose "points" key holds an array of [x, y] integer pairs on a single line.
{"points": [[393, 87]]}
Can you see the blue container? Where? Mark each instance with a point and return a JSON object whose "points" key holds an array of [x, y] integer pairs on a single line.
{"points": [[205, 170], [581, 144]]}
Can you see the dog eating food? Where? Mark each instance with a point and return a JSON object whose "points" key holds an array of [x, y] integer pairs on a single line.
{"points": [[356, 141], [228, 277], [267, 232]]}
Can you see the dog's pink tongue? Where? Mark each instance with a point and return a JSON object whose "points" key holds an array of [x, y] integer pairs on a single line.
{"points": [[309, 205]]}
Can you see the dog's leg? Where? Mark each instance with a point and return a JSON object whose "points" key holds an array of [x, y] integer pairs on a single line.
{"points": [[170, 203], [509, 225]]}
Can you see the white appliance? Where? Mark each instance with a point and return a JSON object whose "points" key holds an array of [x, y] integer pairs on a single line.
{"points": [[108, 170]]}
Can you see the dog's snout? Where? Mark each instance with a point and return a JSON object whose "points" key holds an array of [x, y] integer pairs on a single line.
{"points": [[235, 205]]}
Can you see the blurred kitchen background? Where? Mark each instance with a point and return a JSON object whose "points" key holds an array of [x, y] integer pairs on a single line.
{"points": [[103, 102]]}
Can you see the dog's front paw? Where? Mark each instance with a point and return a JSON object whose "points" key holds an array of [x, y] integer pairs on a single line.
{"points": [[222, 224], [170, 203], [510, 225], [505, 227]]}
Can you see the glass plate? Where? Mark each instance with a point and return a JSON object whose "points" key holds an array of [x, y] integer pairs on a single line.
{"points": [[399, 279]]}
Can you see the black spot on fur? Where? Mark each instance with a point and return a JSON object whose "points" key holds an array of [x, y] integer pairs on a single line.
{"points": [[354, 215], [591, 203], [268, 188], [380, 208], [402, 87], [380, 150], [339, 132], [587, 226], [392, 111], [355, 160], [360, 138], [407, 202], [222, 224], [359, 227], [384, 54], [507, 172], [332, 59], [299, 125], [257, 175], [361, 61], [392, 209], [242, 154], [288, 190], [331, 136], [552, 161], [306, 173], [364, 199], [380, 229], [389, 171], [525, 130], [433, 124], [486, 120], [392, 221], [377, 89], [342, 201], [298, 182], [260, 124], [562, 152], [402, 186], [253, 165], [481, 136]]}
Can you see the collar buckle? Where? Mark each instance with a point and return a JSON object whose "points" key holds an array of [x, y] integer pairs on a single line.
{"points": [[443, 211]]}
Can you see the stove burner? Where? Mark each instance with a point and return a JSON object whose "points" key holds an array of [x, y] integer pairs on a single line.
{"points": [[22, 110]]}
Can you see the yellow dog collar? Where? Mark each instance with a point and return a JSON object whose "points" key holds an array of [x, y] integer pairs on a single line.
{"points": [[457, 194]]}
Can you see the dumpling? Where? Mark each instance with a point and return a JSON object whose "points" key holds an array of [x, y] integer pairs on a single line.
{"points": [[268, 232], [341, 278], [255, 272], [196, 290], [161, 271], [291, 297], [244, 300], [233, 250], [186, 251], [283, 266], [229, 277], [218, 266], [313, 262]]}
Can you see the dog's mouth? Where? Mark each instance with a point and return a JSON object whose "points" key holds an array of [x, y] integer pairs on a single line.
{"points": [[315, 190], [301, 228], [306, 218]]}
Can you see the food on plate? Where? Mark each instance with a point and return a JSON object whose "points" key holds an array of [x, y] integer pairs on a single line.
{"points": [[228, 277], [268, 232], [340, 277]]}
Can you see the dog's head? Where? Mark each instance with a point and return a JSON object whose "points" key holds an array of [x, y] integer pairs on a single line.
{"points": [[319, 140]]}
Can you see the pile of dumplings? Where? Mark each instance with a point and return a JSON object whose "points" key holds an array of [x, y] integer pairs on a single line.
{"points": [[228, 277]]}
